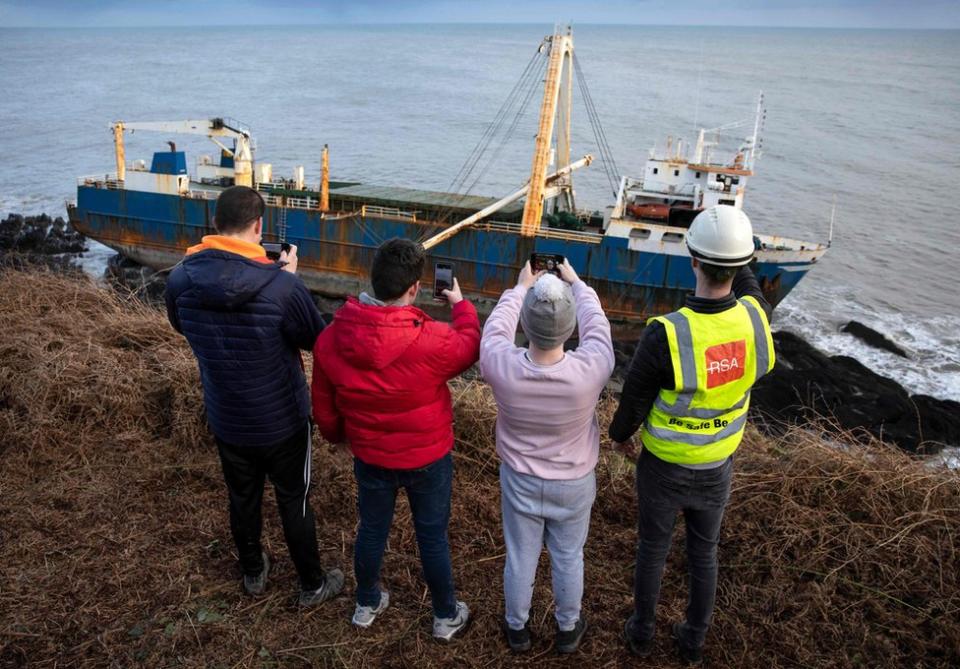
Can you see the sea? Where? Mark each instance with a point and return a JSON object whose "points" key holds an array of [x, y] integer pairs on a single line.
{"points": [[861, 123]]}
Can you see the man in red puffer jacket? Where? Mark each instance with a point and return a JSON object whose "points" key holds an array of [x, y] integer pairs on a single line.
{"points": [[380, 383]]}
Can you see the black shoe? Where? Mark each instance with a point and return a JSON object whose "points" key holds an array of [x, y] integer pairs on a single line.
{"points": [[519, 640], [689, 655], [255, 585], [568, 642], [636, 646]]}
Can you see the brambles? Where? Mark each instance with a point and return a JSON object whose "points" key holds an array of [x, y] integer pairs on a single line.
{"points": [[116, 546]]}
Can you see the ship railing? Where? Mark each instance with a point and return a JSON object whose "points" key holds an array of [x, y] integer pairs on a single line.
{"points": [[303, 202], [203, 194], [543, 233], [290, 202], [389, 212], [107, 181]]}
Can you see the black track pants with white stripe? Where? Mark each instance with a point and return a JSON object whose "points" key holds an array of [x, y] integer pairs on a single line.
{"points": [[245, 469]]}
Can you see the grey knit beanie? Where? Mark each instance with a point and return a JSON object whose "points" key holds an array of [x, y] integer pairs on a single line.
{"points": [[549, 315]]}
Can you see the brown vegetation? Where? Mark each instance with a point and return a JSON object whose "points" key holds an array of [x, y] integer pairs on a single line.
{"points": [[115, 547]]}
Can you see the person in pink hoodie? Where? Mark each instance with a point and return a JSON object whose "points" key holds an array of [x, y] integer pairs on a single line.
{"points": [[548, 438]]}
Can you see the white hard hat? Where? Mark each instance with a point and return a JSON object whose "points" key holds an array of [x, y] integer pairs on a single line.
{"points": [[721, 235]]}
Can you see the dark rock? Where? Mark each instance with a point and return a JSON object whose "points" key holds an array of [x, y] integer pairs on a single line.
{"points": [[807, 385], [39, 236], [139, 280], [873, 338]]}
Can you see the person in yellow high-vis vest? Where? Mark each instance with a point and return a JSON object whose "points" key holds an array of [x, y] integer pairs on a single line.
{"points": [[688, 391]]}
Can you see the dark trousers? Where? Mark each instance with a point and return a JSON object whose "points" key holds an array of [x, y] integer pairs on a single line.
{"points": [[663, 490], [428, 491], [245, 469]]}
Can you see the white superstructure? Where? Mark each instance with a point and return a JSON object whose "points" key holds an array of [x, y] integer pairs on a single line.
{"points": [[678, 180]]}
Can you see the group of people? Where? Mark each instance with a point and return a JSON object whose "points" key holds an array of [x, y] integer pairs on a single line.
{"points": [[379, 388]]}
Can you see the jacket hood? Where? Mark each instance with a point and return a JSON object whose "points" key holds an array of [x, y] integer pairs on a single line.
{"points": [[223, 279], [372, 337], [240, 247]]}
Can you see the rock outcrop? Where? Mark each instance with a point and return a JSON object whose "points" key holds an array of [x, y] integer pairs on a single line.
{"points": [[807, 384], [871, 337], [39, 235]]}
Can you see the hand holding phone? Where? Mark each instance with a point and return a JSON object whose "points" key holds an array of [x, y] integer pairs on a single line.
{"points": [[442, 280], [546, 262], [453, 295], [527, 277], [288, 258], [567, 273], [282, 253], [274, 249]]}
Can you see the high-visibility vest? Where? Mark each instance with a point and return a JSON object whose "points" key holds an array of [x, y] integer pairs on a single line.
{"points": [[716, 360]]}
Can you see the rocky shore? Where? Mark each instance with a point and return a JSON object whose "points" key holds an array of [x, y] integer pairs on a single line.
{"points": [[807, 386], [40, 240]]}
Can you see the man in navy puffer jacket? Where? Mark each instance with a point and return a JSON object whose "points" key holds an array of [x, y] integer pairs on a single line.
{"points": [[247, 318]]}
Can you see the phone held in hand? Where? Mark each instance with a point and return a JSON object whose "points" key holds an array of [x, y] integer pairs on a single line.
{"points": [[442, 279], [274, 250], [546, 262]]}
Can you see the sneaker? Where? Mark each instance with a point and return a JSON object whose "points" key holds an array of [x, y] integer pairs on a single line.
{"points": [[519, 640], [689, 655], [636, 646], [445, 629], [569, 641], [363, 616], [332, 585], [255, 585]]}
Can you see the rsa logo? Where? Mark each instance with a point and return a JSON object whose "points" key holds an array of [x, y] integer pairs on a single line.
{"points": [[725, 362]]}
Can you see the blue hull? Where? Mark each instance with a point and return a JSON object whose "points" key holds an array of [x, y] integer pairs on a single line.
{"points": [[336, 253]]}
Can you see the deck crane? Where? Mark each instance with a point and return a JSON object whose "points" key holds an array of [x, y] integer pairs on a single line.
{"points": [[214, 129], [554, 119]]}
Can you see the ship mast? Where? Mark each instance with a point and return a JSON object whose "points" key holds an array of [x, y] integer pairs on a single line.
{"points": [[561, 53]]}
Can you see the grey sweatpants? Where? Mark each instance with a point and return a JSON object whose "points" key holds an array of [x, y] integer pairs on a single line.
{"points": [[535, 509]]}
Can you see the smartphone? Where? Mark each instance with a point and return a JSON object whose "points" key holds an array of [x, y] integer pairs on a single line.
{"points": [[549, 262], [274, 250], [442, 279]]}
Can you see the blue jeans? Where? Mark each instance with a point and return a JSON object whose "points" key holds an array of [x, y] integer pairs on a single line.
{"points": [[428, 491], [663, 490]]}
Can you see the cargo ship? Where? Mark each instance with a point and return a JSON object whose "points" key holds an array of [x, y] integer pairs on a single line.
{"points": [[632, 252]]}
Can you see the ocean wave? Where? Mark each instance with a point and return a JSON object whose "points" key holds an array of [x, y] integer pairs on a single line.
{"points": [[932, 344]]}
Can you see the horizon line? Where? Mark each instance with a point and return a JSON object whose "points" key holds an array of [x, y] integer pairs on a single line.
{"points": [[465, 23]]}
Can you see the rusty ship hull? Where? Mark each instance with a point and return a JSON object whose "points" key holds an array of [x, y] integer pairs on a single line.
{"points": [[635, 278]]}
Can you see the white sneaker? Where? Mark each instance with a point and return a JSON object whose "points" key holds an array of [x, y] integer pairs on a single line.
{"points": [[363, 616], [445, 629]]}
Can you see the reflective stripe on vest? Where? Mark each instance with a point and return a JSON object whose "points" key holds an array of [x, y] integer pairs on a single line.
{"points": [[696, 423]]}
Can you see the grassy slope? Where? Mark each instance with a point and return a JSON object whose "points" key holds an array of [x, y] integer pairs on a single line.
{"points": [[115, 547]]}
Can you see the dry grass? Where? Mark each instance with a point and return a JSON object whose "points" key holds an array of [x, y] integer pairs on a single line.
{"points": [[115, 547]]}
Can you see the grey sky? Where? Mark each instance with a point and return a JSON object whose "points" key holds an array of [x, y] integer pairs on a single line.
{"points": [[791, 13]]}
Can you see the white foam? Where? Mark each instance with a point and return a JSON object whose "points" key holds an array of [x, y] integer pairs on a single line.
{"points": [[948, 457], [94, 260], [933, 344]]}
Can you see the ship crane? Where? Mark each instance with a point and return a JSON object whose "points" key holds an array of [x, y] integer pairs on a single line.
{"points": [[214, 129], [554, 123]]}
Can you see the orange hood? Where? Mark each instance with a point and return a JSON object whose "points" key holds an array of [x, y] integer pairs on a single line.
{"points": [[248, 250]]}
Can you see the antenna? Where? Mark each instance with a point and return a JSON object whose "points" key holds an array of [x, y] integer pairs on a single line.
{"points": [[833, 214]]}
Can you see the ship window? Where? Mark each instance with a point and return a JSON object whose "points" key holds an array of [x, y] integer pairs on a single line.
{"points": [[673, 236], [676, 173], [698, 175], [655, 170], [731, 202], [639, 233]]}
